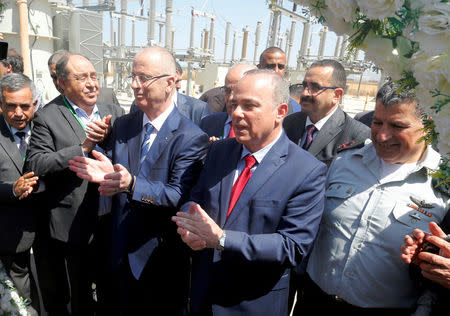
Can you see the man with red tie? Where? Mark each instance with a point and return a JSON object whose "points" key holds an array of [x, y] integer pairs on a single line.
{"points": [[253, 213], [218, 125]]}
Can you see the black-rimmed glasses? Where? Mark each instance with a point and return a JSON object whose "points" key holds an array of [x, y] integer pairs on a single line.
{"points": [[314, 87]]}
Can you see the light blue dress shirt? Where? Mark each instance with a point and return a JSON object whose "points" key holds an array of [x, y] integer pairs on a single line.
{"points": [[356, 255]]}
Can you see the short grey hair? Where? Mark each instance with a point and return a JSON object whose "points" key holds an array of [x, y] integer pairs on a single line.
{"points": [[16, 82], [391, 93], [56, 56], [280, 93]]}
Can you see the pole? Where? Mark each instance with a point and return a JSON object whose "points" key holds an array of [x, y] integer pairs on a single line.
{"points": [[291, 41], [323, 38], [151, 23], [169, 12], [24, 39], [227, 41], [123, 22], [257, 36], [244, 44], [337, 49], [211, 35], [192, 35], [234, 46]]}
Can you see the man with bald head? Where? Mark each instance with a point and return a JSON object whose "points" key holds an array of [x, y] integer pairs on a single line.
{"points": [[156, 158], [247, 224], [218, 125], [72, 124]]}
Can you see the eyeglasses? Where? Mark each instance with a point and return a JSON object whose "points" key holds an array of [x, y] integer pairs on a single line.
{"points": [[82, 78], [142, 79], [314, 87]]}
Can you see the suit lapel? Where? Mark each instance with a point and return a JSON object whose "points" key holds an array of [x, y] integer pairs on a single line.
{"points": [[163, 137], [329, 131], [299, 129], [9, 145], [73, 122], [226, 183], [134, 141], [271, 162]]}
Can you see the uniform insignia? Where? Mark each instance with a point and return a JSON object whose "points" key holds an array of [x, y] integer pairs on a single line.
{"points": [[147, 199], [419, 205], [414, 217], [350, 145]]}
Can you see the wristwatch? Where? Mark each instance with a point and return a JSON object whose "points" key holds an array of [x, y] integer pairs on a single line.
{"points": [[221, 242]]}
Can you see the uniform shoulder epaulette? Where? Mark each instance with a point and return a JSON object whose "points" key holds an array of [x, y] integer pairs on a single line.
{"points": [[350, 145]]}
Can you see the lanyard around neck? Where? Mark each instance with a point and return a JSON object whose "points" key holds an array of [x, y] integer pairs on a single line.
{"points": [[73, 113]]}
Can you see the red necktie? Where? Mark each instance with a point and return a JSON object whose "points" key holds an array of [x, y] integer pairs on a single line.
{"points": [[231, 132], [240, 183]]}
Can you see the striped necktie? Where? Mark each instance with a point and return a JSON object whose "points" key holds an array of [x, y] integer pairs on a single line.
{"points": [[145, 147]]}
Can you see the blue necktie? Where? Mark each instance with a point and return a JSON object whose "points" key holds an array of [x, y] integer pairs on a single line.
{"points": [[23, 144], [146, 142]]}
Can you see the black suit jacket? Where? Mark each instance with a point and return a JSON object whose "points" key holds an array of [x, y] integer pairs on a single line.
{"points": [[72, 203], [338, 130], [365, 117], [18, 219], [192, 108], [214, 124]]}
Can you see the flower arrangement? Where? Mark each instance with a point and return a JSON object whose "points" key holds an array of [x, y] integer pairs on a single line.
{"points": [[410, 41], [11, 304]]}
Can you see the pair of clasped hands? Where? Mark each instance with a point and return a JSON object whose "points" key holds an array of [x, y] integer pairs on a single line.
{"points": [[434, 266], [96, 132]]}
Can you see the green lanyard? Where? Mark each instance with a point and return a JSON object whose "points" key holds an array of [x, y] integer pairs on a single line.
{"points": [[73, 113]]}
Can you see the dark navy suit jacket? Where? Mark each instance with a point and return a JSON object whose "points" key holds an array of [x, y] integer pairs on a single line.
{"points": [[192, 108], [214, 124], [270, 229], [163, 180]]}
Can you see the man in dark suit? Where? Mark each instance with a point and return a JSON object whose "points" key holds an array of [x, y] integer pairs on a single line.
{"points": [[105, 95], [215, 98], [218, 125], [157, 154], [18, 215], [72, 124], [365, 117], [321, 126], [254, 237]]}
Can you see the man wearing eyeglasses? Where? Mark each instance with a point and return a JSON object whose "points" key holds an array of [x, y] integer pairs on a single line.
{"points": [[72, 124], [157, 155], [321, 126]]}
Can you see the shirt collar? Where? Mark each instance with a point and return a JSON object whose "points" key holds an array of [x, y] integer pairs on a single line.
{"points": [[80, 112], [158, 122], [14, 130], [260, 154], [175, 98], [430, 158], [228, 120], [322, 121]]}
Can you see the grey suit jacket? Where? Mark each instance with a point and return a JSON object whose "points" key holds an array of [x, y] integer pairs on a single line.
{"points": [[72, 203], [18, 219], [338, 130]]}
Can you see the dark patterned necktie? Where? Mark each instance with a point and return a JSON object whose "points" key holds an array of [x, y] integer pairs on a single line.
{"points": [[309, 136], [23, 144]]}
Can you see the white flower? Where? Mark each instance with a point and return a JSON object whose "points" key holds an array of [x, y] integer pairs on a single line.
{"points": [[336, 23], [432, 72], [379, 50], [342, 8], [441, 120], [435, 19], [434, 29], [379, 9]]}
